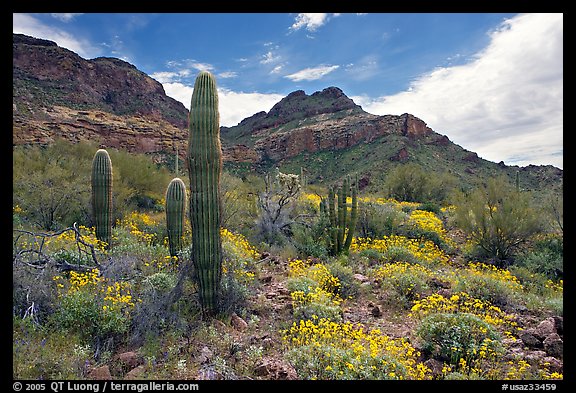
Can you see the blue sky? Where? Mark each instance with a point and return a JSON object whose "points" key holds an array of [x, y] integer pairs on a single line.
{"points": [[491, 82]]}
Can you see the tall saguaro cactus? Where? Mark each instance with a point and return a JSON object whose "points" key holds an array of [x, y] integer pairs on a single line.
{"points": [[205, 167], [102, 195], [340, 226], [175, 213]]}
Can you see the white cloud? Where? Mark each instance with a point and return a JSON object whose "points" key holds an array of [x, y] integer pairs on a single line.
{"points": [[228, 74], [506, 104], [28, 25], [269, 57], [236, 106], [165, 76], [310, 74], [233, 106], [310, 22], [277, 69], [65, 17], [200, 66]]}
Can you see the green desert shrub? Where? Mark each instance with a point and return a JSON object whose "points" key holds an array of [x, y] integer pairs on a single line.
{"points": [[497, 219], [546, 256], [454, 336]]}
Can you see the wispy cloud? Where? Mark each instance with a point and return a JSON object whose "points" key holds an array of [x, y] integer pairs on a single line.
{"points": [[505, 104], [181, 69], [269, 57], [227, 74], [365, 68], [64, 17], [310, 74], [310, 22], [27, 24], [233, 106], [166, 76]]}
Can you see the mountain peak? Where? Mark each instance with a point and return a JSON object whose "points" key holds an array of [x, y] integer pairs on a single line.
{"points": [[60, 77], [298, 104], [28, 40], [330, 92]]}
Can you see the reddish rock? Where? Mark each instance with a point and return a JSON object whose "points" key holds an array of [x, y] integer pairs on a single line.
{"points": [[238, 323], [130, 359], [413, 127], [435, 367], [269, 368], [360, 277], [239, 153], [100, 373], [402, 155], [136, 373]]}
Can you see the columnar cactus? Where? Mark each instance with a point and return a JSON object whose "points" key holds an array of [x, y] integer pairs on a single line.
{"points": [[205, 167], [303, 178], [340, 227], [175, 213], [102, 196]]}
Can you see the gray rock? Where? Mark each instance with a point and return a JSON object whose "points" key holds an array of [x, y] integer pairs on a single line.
{"points": [[534, 357], [545, 328], [554, 346], [530, 338], [552, 364]]}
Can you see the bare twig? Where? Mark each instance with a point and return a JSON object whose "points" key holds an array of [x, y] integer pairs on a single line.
{"points": [[42, 259]]}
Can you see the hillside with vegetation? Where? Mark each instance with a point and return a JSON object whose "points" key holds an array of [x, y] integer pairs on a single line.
{"points": [[423, 292]]}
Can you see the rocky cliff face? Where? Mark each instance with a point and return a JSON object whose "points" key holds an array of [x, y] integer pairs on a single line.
{"points": [[46, 75], [325, 120], [327, 133]]}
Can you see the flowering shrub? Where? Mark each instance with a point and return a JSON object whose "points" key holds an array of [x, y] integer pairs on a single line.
{"points": [[409, 281], [459, 338], [91, 305], [490, 283], [314, 290], [318, 272], [424, 251], [401, 205], [429, 226], [462, 302], [323, 349], [239, 255], [139, 224]]}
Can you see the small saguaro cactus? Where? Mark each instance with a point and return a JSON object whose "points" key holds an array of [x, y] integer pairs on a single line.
{"points": [[204, 167], [175, 213], [102, 196], [341, 227]]}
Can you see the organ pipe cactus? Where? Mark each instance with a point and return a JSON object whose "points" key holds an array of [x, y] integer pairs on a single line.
{"points": [[341, 226], [205, 166], [102, 196], [175, 212]]}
